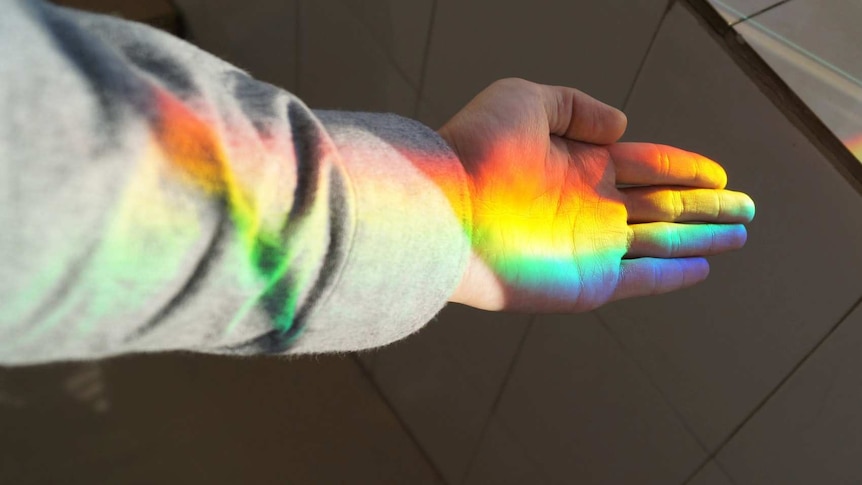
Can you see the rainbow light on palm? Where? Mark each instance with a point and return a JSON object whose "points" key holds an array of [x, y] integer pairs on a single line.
{"points": [[524, 228]]}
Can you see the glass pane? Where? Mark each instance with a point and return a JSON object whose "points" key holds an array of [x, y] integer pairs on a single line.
{"points": [[816, 47], [736, 10]]}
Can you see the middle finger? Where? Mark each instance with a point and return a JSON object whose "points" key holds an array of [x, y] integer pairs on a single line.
{"points": [[674, 204]]}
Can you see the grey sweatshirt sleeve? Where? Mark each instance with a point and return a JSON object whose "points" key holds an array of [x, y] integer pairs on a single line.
{"points": [[156, 198]]}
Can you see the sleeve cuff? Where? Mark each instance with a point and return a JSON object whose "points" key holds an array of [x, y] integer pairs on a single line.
{"points": [[410, 245]]}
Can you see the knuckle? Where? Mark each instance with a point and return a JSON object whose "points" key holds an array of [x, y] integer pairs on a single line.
{"points": [[513, 83], [631, 238], [678, 204], [656, 282], [677, 243], [668, 241], [664, 163], [738, 236]]}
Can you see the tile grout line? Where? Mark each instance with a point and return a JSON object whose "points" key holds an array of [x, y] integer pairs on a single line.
{"points": [[528, 457], [380, 44], [423, 71], [702, 466], [676, 413], [493, 408], [805, 358], [370, 379], [755, 14], [722, 470], [646, 55], [298, 47]]}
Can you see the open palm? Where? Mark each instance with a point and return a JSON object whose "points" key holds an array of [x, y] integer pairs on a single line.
{"points": [[565, 219]]}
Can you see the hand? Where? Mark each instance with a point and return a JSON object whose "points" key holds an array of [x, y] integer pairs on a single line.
{"points": [[565, 220]]}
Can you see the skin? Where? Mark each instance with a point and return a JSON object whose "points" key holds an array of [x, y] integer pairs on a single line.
{"points": [[566, 219]]}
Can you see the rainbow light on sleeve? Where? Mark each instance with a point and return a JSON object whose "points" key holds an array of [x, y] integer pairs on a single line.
{"points": [[194, 150]]}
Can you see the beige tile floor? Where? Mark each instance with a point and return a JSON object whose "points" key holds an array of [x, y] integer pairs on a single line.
{"points": [[809, 431], [582, 410], [444, 380], [193, 419], [343, 66], [258, 36], [504, 460], [596, 46], [710, 474], [400, 28]]}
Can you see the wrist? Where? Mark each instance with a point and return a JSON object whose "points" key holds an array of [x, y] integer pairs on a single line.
{"points": [[479, 287], [462, 293]]}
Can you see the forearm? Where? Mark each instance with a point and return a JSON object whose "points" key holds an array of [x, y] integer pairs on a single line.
{"points": [[162, 199]]}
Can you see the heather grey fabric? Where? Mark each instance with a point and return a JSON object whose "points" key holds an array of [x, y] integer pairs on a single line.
{"points": [[156, 198]]}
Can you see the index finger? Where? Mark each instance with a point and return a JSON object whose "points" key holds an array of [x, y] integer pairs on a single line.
{"points": [[653, 164]]}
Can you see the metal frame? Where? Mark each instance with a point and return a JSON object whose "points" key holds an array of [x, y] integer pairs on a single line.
{"points": [[778, 92]]}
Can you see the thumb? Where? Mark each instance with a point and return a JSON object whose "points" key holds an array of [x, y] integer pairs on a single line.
{"points": [[580, 117]]}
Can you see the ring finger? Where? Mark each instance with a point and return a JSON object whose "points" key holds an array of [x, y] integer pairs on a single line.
{"points": [[668, 240]]}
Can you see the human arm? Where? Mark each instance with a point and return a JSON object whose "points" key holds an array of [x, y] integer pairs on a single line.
{"points": [[160, 199]]}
